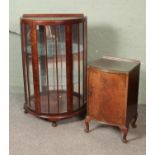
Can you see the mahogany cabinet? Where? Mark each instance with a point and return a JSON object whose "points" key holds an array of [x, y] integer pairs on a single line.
{"points": [[54, 55], [113, 92]]}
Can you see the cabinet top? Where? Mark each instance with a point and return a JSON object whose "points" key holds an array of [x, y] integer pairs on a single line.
{"points": [[53, 17], [112, 64]]}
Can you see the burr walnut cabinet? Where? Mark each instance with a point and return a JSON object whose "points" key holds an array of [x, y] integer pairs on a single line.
{"points": [[54, 55], [113, 92]]}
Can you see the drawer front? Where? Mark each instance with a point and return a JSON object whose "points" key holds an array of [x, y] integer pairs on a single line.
{"points": [[107, 96]]}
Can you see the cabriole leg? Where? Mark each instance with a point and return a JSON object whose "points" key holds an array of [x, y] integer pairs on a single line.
{"points": [[124, 134], [87, 120], [25, 110], [133, 123]]}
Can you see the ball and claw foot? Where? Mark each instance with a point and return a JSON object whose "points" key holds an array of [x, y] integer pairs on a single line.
{"points": [[54, 124]]}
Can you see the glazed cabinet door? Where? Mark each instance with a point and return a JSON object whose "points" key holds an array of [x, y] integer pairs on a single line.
{"points": [[106, 96]]}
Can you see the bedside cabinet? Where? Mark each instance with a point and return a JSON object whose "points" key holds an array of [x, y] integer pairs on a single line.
{"points": [[113, 93]]}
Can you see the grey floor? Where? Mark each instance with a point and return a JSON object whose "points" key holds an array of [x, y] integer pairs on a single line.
{"points": [[32, 136]]}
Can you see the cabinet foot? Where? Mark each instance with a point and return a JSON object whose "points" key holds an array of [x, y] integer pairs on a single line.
{"points": [[87, 120], [133, 123], [86, 130], [25, 111], [124, 134], [54, 124], [124, 140]]}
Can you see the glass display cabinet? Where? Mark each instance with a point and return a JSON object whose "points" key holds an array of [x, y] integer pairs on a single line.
{"points": [[54, 56]]}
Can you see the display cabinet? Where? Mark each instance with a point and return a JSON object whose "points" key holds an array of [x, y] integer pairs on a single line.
{"points": [[54, 56]]}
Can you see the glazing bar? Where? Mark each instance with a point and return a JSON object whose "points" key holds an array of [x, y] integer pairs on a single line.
{"points": [[69, 67], [35, 68]]}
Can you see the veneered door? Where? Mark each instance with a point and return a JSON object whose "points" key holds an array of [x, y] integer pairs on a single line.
{"points": [[107, 96]]}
